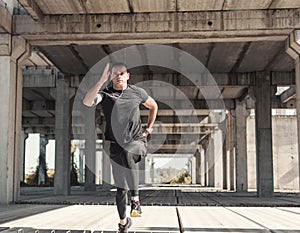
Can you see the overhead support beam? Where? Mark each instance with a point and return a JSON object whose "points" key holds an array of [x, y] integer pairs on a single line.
{"points": [[46, 78], [288, 95], [172, 149], [39, 77], [32, 8], [283, 78], [192, 27]]}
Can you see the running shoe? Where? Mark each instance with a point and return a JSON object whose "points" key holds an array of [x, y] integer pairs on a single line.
{"points": [[124, 228], [136, 210]]}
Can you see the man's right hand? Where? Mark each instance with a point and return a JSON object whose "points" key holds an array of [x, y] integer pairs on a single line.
{"points": [[106, 73]]}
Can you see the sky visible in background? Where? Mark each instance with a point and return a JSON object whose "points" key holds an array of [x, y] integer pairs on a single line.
{"points": [[32, 151], [32, 154]]}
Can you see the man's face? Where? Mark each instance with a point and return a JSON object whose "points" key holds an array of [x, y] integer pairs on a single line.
{"points": [[119, 75]]}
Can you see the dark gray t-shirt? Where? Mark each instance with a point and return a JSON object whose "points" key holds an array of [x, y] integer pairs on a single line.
{"points": [[122, 113]]}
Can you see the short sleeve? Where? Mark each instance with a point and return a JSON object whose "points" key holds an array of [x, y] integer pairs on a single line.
{"points": [[144, 95]]}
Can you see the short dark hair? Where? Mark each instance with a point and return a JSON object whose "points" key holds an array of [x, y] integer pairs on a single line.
{"points": [[118, 64]]}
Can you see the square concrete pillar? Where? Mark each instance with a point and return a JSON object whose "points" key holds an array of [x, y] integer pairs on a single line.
{"points": [[241, 146], [263, 126], [62, 94], [13, 53], [197, 156], [293, 49]]}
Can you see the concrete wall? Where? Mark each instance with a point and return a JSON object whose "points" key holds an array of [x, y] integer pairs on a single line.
{"points": [[285, 153]]}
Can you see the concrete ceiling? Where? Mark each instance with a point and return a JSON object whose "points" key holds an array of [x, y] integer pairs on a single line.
{"points": [[227, 53], [57, 7]]}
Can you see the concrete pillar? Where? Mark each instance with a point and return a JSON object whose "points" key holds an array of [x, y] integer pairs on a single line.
{"points": [[81, 165], [232, 168], [293, 49], [210, 158], [13, 53], [241, 114], [98, 162], [24, 136], [42, 168], [205, 145], [152, 171], [202, 167], [263, 124], [62, 94], [297, 73], [225, 166], [218, 158], [197, 156], [90, 149], [230, 155], [106, 169]]}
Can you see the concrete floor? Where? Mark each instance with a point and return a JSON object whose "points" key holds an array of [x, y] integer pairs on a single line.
{"points": [[165, 209]]}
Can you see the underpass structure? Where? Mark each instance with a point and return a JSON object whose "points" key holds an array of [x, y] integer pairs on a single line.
{"points": [[244, 49]]}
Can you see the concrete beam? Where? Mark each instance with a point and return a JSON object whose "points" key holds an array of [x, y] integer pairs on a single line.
{"points": [[288, 94], [167, 27], [283, 78], [28, 122], [50, 132], [32, 8], [46, 78], [39, 77], [172, 149], [38, 105]]}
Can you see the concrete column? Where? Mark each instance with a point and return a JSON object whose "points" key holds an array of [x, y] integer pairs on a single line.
{"points": [[218, 158], [293, 49], [297, 73], [62, 94], [152, 171], [225, 167], [263, 124], [90, 149], [24, 136], [210, 157], [230, 144], [202, 167], [13, 52], [232, 168], [106, 171], [98, 162], [81, 165], [42, 168], [205, 144], [241, 146], [197, 156]]}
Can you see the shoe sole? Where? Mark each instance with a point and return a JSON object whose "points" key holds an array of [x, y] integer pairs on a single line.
{"points": [[134, 213]]}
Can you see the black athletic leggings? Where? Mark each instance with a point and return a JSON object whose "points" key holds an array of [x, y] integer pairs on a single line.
{"points": [[126, 176]]}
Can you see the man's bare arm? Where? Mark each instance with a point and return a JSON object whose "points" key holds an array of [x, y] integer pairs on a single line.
{"points": [[93, 97], [153, 108]]}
